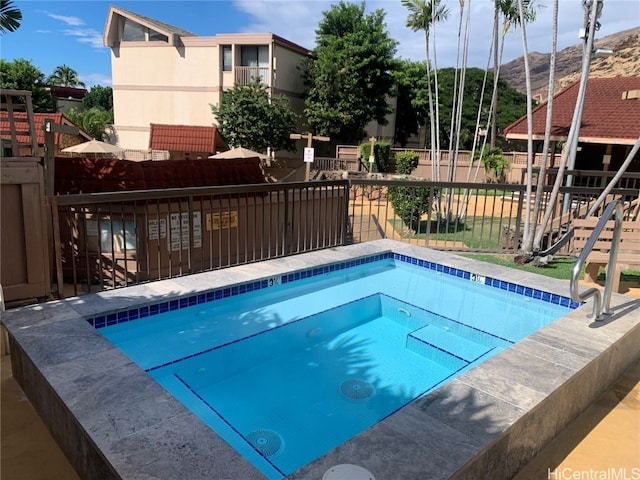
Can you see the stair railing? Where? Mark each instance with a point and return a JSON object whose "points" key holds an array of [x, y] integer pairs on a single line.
{"points": [[601, 302]]}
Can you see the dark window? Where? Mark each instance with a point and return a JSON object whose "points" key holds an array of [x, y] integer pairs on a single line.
{"points": [[226, 58], [255, 56], [133, 32], [157, 37]]}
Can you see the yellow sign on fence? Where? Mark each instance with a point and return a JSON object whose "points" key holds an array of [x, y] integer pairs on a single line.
{"points": [[215, 221]]}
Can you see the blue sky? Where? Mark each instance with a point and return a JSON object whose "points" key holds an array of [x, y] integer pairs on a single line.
{"points": [[57, 32]]}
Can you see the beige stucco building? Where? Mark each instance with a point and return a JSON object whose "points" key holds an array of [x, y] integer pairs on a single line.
{"points": [[163, 74]]}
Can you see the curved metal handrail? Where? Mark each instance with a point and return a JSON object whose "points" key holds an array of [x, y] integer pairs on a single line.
{"points": [[601, 303]]}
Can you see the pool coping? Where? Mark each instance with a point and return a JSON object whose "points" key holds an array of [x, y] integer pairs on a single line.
{"points": [[113, 421]]}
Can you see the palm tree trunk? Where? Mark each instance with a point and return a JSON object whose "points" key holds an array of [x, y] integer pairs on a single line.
{"points": [[574, 130], [527, 73], [494, 96], [537, 205]]}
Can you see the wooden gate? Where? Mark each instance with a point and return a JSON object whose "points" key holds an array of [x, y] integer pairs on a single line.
{"points": [[24, 245]]}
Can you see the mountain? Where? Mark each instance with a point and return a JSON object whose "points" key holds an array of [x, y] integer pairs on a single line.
{"points": [[624, 62]]}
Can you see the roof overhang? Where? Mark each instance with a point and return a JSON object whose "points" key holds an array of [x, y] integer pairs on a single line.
{"points": [[563, 138], [113, 28]]}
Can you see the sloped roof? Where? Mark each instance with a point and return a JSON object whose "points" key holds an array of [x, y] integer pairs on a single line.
{"points": [[186, 138], [38, 120], [155, 24], [60, 91], [608, 117], [111, 31]]}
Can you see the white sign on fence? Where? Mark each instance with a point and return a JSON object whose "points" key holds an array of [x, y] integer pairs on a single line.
{"points": [[179, 225]]}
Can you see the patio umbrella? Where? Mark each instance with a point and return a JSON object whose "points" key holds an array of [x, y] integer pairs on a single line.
{"points": [[240, 152], [94, 146]]}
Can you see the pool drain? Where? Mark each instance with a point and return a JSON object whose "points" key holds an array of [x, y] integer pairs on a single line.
{"points": [[356, 389], [267, 442], [347, 471]]}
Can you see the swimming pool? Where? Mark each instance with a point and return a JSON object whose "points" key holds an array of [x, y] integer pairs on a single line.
{"points": [[289, 367], [114, 421]]}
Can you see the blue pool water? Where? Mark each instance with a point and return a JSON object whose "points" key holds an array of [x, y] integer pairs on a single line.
{"points": [[298, 366]]}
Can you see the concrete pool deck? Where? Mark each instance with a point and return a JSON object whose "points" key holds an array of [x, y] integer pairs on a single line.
{"points": [[606, 435], [505, 408]]}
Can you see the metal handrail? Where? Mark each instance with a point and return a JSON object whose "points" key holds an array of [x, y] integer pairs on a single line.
{"points": [[601, 303]]}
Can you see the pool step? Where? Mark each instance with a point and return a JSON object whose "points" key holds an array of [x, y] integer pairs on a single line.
{"points": [[444, 347]]}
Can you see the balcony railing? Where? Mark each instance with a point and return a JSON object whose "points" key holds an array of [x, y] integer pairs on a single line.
{"points": [[247, 75]]}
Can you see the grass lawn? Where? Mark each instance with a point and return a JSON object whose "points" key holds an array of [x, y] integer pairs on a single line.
{"points": [[559, 267], [476, 232]]}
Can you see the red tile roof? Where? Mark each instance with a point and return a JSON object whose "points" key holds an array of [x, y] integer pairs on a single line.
{"points": [[38, 120], [185, 138], [607, 117]]}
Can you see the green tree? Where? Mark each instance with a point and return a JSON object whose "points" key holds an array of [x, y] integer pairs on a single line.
{"points": [[510, 13], [511, 104], [410, 111], [349, 73], [94, 121], [247, 117], [64, 76], [423, 14], [10, 17], [21, 74], [99, 96]]}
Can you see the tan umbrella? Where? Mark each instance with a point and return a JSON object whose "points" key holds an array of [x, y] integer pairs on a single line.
{"points": [[93, 146], [240, 152]]}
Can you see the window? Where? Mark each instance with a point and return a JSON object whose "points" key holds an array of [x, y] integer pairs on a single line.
{"points": [[157, 37], [255, 63], [133, 32], [255, 56], [226, 58]]}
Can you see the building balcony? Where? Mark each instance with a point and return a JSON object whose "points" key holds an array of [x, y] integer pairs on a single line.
{"points": [[245, 75]]}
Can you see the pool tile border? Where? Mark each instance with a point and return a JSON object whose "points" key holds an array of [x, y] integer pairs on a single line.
{"points": [[425, 432], [113, 318]]}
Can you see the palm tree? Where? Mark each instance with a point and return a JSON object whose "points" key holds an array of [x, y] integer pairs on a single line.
{"points": [[530, 248], [534, 241], [10, 17], [509, 11], [95, 121], [65, 76], [423, 14]]}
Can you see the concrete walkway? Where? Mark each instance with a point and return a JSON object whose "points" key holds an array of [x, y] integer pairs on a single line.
{"points": [[605, 438]]}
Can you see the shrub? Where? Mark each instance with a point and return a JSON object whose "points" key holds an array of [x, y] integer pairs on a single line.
{"points": [[494, 162], [406, 162], [381, 153], [410, 203]]}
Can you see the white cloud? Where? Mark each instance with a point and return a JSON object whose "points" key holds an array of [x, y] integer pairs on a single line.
{"points": [[71, 21], [89, 36], [91, 79], [297, 21]]}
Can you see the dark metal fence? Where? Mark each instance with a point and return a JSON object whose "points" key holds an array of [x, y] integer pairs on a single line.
{"points": [[112, 240], [468, 217]]}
